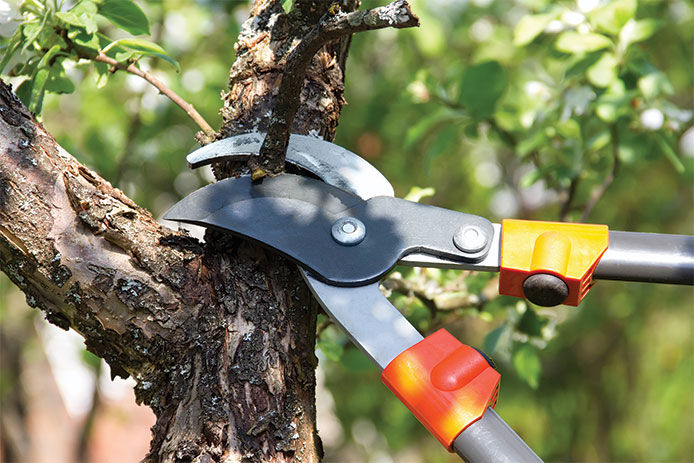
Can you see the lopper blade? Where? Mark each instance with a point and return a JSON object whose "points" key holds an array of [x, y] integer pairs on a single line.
{"points": [[331, 163]]}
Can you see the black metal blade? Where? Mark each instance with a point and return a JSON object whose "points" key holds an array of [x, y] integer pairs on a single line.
{"points": [[294, 215]]}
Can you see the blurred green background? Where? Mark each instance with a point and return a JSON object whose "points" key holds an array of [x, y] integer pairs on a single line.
{"points": [[505, 109]]}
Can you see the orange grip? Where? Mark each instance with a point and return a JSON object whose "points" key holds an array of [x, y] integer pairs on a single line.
{"points": [[570, 251], [445, 384]]}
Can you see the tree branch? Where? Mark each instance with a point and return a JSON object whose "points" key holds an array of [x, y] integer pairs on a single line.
{"points": [[435, 298], [332, 26], [598, 192], [208, 131], [211, 335]]}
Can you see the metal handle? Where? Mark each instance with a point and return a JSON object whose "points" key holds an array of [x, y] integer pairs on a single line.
{"points": [[490, 439], [382, 332], [648, 257]]}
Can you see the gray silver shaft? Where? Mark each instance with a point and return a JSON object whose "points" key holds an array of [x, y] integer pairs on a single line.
{"points": [[648, 257], [630, 256], [490, 439], [367, 318]]}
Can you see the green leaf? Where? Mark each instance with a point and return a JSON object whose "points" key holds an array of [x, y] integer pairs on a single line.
{"points": [[604, 72], [11, 48], [425, 125], [32, 31], [124, 56], [573, 42], [607, 111], [87, 10], [569, 129], [598, 141], [101, 74], [529, 27], [38, 90], [331, 349], [492, 339], [613, 103], [126, 15], [87, 42], [481, 88], [144, 47], [81, 15], [58, 82], [50, 54], [141, 45], [446, 139], [26, 68], [23, 91], [353, 360], [527, 364], [91, 360], [654, 84], [636, 31], [416, 193], [71, 18], [287, 5], [33, 94], [580, 64], [476, 282], [530, 178], [531, 324], [670, 153], [531, 143], [613, 16]]}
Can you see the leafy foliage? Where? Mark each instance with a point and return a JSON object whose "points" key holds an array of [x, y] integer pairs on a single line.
{"points": [[48, 41], [585, 84]]}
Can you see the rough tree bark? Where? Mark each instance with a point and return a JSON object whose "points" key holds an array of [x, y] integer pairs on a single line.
{"points": [[219, 336]]}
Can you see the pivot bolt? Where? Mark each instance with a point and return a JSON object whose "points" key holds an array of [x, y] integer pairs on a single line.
{"points": [[348, 231], [470, 239], [545, 290]]}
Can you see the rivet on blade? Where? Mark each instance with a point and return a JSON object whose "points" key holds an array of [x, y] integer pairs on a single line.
{"points": [[348, 231], [470, 239]]}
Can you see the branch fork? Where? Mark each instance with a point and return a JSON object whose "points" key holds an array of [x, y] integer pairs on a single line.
{"points": [[332, 26]]}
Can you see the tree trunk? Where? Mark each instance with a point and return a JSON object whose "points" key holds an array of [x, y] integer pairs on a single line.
{"points": [[219, 336]]}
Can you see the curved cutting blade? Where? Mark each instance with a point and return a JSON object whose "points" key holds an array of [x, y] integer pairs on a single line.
{"points": [[333, 164], [296, 215]]}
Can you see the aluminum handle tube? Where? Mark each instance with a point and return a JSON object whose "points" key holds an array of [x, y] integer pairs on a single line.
{"points": [[382, 333], [490, 439], [648, 257]]}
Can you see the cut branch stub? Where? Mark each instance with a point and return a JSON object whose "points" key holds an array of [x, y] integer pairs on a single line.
{"points": [[332, 26]]}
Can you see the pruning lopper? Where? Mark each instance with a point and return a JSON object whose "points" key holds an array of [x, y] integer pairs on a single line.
{"points": [[346, 230]]}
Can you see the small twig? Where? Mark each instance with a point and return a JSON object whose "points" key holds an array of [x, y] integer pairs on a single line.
{"points": [[163, 89], [86, 432], [409, 289], [504, 134], [598, 192], [320, 328], [130, 143], [331, 26], [568, 198], [535, 158]]}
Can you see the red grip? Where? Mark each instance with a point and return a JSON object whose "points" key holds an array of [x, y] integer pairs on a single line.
{"points": [[445, 384]]}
